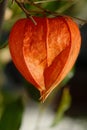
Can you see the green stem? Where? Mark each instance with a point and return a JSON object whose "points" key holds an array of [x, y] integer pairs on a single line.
{"points": [[22, 6], [46, 1], [43, 11]]}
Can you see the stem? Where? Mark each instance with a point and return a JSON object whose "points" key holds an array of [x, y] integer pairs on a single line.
{"points": [[82, 20], [45, 11], [22, 6], [46, 1]]}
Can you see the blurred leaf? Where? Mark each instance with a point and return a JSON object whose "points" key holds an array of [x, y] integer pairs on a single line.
{"points": [[51, 5], [64, 105], [58, 6], [12, 115], [68, 77], [15, 8], [8, 97], [64, 5], [32, 91], [3, 44]]}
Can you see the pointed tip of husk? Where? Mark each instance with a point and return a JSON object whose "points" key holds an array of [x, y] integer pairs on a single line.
{"points": [[44, 94]]}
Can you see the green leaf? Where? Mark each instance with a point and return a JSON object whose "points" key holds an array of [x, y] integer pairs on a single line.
{"points": [[32, 91], [64, 105], [3, 44], [12, 115], [68, 77]]}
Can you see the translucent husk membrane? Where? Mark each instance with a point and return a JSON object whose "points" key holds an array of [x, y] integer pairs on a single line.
{"points": [[44, 53]]}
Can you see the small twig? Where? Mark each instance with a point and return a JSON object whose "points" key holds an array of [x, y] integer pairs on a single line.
{"points": [[46, 1], [45, 11], [22, 6], [83, 20]]}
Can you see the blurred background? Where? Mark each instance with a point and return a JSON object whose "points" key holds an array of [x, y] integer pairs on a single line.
{"points": [[66, 107]]}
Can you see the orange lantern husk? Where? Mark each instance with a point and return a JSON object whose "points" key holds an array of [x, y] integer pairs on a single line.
{"points": [[46, 52]]}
